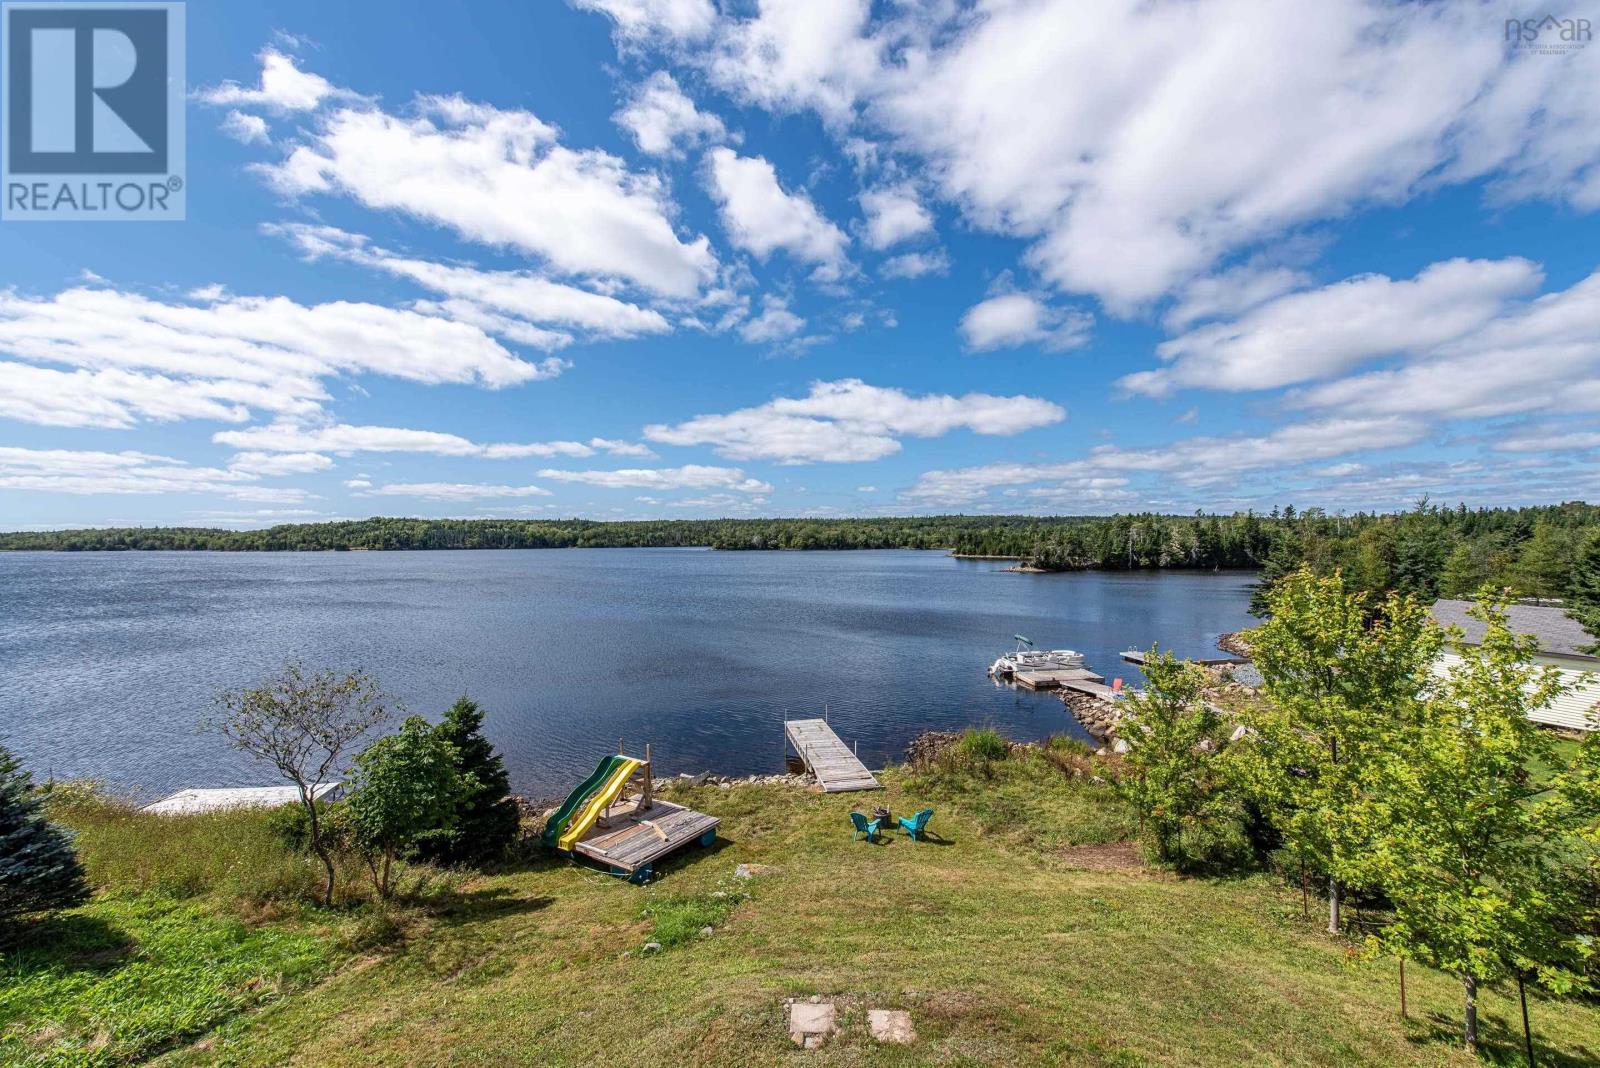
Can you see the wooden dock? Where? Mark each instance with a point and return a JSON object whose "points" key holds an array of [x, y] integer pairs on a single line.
{"points": [[1134, 656], [629, 839], [1053, 678], [1092, 688], [835, 767]]}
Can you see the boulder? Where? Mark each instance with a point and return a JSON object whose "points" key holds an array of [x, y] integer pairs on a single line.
{"points": [[812, 1022]]}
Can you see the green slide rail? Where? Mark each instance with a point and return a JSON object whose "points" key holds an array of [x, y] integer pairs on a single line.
{"points": [[557, 824]]}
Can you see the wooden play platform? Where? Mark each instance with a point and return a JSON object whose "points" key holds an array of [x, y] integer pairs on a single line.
{"points": [[615, 818], [835, 767], [629, 839]]}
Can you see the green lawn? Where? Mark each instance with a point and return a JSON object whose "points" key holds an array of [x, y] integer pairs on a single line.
{"points": [[1012, 939], [124, 978]]}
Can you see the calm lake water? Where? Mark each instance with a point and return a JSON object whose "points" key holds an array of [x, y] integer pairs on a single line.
{"points": [[108, 660]]}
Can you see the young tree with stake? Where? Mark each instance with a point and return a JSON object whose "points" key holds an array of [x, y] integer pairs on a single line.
{"points": [[1469, 847], [1340, 675], [304, 723]]}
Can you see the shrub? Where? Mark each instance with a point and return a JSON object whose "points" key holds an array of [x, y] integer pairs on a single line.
{"points": [[1190, 804], [408, 784]]}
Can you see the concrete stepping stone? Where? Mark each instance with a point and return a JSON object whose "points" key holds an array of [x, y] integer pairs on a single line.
{"points": [[811, 1024], [891, 1025]]}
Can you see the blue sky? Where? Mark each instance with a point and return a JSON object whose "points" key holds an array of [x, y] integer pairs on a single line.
{"points": [[638, 258]]}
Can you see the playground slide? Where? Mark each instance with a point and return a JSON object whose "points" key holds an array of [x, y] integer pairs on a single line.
{"points": [[574, 818], [607, 793]]}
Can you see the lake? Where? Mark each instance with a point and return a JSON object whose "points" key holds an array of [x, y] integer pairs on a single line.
{"points": [[110, 659]]}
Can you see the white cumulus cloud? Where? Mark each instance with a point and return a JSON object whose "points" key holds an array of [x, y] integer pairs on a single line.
{"points": [[762, 218], [502, 178], [663, 121], [848, 420], [1011, 320]]}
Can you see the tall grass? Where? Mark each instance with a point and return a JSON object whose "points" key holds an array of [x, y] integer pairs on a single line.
{"points": [[249, 857], [121, 979], [979, 744], [1042, 797]]}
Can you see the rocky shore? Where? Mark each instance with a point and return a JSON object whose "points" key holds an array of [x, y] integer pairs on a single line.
{"points": [[1236, 644], [1099, 717]]}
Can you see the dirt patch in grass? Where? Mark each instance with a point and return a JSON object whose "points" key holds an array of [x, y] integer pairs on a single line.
{"points": [[1108, 856]]}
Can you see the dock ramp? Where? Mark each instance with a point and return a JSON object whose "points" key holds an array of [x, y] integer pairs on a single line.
{"points": [[835, 767]]}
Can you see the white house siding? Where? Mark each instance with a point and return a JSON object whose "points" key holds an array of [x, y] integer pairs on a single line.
{"points": [[1575, 709]]}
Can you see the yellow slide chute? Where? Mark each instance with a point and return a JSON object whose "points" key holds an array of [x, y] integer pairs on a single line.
{"points": [[607, 793]]}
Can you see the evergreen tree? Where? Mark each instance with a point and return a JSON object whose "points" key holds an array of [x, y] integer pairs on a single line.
{"points": [[1463, 572], [38, 868], [1583, 595], [1283, 559], [486, 818], [1544, 563]]}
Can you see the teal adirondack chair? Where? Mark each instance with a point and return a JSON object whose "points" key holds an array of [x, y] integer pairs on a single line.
{"points": [[916, 824], [863, 826]]}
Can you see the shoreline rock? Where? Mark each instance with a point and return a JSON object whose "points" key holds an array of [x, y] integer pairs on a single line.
{"points": [[1234, 642], [1099, 718]]}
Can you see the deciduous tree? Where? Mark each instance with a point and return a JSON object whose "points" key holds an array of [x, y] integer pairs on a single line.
{"points": [[406, 784], [1340, 675], [1467, 844], [1178, 779], [303, 724]]}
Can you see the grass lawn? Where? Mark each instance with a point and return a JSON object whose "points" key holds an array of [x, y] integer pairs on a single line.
{"points": [[124, 977], [1013, 939]]}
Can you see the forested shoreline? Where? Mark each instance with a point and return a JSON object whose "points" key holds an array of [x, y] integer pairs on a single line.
{"points": [[1429, 550]]}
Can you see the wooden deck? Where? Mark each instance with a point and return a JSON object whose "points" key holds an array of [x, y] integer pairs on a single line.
{"points": [[628, 839], [1051, 678], [829, 759]]}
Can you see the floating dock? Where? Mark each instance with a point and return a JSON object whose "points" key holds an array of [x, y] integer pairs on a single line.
{"points": [[835, 767], [1053, 678], [630, 838]]}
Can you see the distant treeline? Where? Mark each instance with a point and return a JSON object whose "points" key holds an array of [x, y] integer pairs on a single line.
{"points": [[1430, 550]]}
